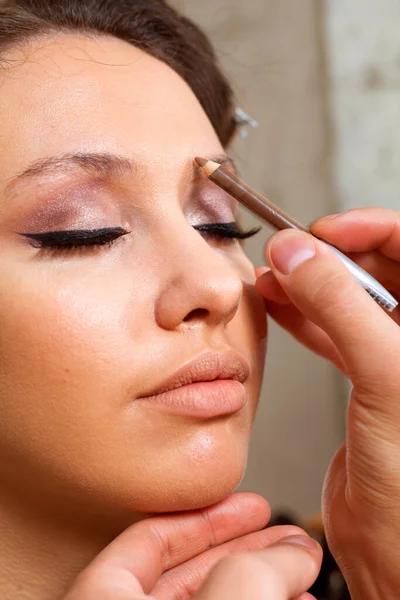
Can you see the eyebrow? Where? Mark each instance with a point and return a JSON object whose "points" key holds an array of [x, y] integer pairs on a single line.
{"points": [[94, 163]]}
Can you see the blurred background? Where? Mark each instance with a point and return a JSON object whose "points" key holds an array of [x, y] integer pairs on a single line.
{"points": [[322, 78]]}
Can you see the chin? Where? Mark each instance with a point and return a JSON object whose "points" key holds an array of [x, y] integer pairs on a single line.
{"points": [[195, 495], [195, 484], [200, 497]]}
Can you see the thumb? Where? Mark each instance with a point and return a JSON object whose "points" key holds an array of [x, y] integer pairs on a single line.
{"points": [[282, 571], [106, 583], [321, 287]]}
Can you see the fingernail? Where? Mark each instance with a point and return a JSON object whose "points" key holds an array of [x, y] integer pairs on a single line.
{"points": [[300, 540], [291, 249]]}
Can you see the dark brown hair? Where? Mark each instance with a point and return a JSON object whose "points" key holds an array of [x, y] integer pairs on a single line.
{"points": [[150, 25]]}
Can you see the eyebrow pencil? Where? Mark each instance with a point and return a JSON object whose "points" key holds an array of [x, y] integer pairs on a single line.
{"points": [[276, 217]]}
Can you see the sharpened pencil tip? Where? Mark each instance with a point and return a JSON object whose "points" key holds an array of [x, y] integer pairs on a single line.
{"points": [[208, 166], [201, 161]]}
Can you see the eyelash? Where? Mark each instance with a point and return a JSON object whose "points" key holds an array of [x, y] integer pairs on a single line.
{"points": [[91, 238], [226, 230]]}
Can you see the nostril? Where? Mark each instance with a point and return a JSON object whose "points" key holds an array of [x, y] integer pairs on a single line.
{"points": [[196, 315]]}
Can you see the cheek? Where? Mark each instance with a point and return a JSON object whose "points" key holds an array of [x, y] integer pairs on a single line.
{"points": [[64, 361]]}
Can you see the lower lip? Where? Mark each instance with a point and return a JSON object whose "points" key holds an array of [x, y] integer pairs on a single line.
{"points": [[202, 400]]}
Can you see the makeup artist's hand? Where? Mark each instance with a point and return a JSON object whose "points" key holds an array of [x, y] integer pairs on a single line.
{"points": [[204, 555], [311, 294]]}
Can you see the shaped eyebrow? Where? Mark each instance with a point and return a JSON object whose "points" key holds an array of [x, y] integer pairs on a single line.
{"points": [[102, 164], [105, 164]]}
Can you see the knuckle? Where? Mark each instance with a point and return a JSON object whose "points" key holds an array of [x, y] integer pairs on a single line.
{"points": [[102, 582], [166, 542], [324, 287], [328, 291], [249, 574], [249, 565], [290, 530], [235, 563], [212, 536], [376, 393], [178, 590]]}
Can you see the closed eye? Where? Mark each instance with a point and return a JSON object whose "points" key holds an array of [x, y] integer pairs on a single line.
{"points": [[76, 238], [226, 230]]}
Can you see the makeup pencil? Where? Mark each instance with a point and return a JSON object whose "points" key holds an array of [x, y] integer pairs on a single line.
{"points": [[276, 217]]}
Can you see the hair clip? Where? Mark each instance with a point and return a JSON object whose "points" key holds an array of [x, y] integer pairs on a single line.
{"points": [[243, 122]]}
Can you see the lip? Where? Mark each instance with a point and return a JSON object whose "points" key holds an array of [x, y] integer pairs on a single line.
{"points": [[207, 386]]}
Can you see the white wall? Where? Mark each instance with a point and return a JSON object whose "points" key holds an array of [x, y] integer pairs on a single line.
{"points": [[364, 51]]}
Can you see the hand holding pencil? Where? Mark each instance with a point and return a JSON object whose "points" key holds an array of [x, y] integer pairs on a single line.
{"points": [[311, 295]]}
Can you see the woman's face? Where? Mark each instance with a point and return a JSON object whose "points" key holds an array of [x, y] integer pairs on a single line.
{"points": [[96, 134]]}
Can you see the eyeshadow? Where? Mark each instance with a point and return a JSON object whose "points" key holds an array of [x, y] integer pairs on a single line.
{"points": [[77, 206]]}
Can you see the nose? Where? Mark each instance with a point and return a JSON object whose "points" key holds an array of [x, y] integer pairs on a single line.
{"points": [[200, 285]]}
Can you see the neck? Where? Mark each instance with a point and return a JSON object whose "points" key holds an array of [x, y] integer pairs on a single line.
{"points": [[45, 545]]}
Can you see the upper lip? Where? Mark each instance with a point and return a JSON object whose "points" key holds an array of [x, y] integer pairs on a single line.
{"points": [[208, 366]]}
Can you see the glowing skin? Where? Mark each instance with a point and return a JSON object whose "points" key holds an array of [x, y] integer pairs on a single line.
{"points": [[83, 334]]}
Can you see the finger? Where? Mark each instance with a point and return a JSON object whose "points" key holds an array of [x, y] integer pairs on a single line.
{"points": [[360, 230], [268, 286], [152, 546], [321, 287], [106, 584], [307, 333], [281, 572], [287, 316], [184, 581], [385, 270]]}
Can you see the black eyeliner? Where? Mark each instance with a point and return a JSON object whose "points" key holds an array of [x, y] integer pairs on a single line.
{"points": [[76, 237]]}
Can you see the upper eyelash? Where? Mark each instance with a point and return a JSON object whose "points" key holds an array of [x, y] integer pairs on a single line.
{"points": [[227, 230], [76, 238]]}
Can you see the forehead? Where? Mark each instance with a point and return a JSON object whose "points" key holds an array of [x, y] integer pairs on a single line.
{"points": [[100, 94]]}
